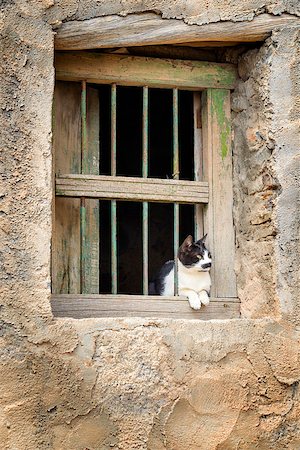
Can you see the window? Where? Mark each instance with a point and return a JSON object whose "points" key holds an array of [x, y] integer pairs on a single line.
{"points": [[142, 159]]}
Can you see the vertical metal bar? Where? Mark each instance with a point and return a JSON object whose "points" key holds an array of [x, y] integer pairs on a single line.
{"points": [[114, 130], [82, 199], [175, 176], [114, 268], [82, 245], [145, 204], [84, 145], [198, 161], [176, 246]]}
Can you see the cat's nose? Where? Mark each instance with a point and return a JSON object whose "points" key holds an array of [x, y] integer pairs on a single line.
{"points": [[206, 266]]}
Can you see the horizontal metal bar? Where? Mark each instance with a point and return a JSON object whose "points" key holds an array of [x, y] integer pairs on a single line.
{"points": [[130, 188]]}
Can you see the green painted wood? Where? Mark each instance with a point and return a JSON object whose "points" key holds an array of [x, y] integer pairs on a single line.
{"points": [[218, 172], [141, 71]]}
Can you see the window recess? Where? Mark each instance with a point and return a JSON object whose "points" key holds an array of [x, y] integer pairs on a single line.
{"points": [[142, 158]]}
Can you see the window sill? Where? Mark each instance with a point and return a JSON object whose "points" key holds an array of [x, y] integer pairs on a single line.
{"points": [[82, 306]]}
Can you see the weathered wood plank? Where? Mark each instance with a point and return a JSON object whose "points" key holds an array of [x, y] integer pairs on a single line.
{"points": [[198, 161], [129, 297], [91, 166], [218, 172], [139, 71], [151, 29], [84, 306], [208, 175], [66, 223], [131, 188]]}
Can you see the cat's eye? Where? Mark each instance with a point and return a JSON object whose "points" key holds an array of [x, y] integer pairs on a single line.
{"points": [[209, 254], [199, 256]]}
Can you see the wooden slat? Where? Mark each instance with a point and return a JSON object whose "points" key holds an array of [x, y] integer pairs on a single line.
{"points": [[85, 306], [131, 188], [91, 165], [218, 171], [139, 71], [198, 161], [151, 29], [66, 224]]}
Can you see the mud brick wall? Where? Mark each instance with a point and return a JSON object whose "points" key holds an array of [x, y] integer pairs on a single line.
{"points": [[151, 384]]}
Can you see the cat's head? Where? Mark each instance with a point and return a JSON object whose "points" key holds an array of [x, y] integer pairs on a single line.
{"points": [[194, 255]]}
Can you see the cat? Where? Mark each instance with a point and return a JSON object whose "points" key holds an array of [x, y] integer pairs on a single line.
{"points": [[194, 263]]}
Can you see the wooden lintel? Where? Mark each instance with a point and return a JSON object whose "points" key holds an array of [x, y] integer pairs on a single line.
{"points": [[132, 188], [151, 29], [143, 71], [105, 306]]}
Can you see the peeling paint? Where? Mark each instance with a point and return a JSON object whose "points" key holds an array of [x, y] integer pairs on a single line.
{"points": [[218, 98]]}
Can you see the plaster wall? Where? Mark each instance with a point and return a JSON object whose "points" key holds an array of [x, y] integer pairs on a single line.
{"points": [[145, 384]]}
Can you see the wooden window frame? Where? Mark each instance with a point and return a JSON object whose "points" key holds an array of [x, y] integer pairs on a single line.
{"points": [[215, 81]]}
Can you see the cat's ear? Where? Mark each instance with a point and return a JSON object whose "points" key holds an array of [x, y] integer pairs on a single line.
{"points": [[187, 243], [202, 239]]}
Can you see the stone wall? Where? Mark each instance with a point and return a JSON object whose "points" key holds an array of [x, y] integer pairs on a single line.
{"points": [[256, 186], [151, 384]]}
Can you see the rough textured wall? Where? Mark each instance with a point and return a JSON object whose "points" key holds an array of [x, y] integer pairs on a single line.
{"points": [[256, 186], [125, 384], [191, 11], [267, 177], [286, 133]]}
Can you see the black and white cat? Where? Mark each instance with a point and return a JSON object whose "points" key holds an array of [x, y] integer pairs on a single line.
{"points": [[194, 263]]}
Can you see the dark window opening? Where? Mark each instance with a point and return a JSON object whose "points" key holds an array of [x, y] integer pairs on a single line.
{"points": [[129, 242], [129, 163], [129, 132]]}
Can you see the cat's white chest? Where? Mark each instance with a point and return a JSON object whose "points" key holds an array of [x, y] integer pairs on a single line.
{"points": [[194, 280], [197, 281]]}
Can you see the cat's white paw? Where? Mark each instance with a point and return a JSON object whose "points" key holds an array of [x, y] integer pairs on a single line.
{"points": [[203, 297], [194, 302], [193, 298]]}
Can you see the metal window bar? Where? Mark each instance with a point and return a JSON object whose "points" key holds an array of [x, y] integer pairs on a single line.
{"points": [[176, 177], [145, 225], [114, 268], [83, 108], [198, 162], [145, 204]]}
